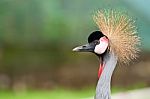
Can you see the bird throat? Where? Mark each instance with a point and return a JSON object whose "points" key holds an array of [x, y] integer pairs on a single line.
{"points": [[101, 67]]}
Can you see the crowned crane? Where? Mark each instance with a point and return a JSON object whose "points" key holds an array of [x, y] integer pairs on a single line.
{"points": [[115, 41]]}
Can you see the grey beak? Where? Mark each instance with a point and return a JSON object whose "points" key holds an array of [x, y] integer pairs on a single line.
{"points": [[84, 48]]}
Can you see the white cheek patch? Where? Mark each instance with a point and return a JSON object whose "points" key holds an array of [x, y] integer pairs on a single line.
{"points": [[101, 48]]}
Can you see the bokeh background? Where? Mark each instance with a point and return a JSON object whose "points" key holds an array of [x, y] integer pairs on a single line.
{"points": [[36, 41]]}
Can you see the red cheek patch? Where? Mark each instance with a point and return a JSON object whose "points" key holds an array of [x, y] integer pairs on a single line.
{"points": [[104, 39]]}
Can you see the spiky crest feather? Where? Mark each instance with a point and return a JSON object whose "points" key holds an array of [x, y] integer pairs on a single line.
{"points": [[121, 32]]}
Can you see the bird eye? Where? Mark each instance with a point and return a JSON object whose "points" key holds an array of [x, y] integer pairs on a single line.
{"points": [[96, 42]]}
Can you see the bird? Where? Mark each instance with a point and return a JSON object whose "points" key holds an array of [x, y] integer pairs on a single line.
{"points": [[115, 42]]}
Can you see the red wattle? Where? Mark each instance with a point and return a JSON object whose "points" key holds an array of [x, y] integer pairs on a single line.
{"points": [[100, 70]]}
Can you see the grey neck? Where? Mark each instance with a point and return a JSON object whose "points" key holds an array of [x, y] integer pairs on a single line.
{"points": [[103, 85]]}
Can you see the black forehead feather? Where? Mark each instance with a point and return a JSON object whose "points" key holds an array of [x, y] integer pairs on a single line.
{"points": [[96, 35]]}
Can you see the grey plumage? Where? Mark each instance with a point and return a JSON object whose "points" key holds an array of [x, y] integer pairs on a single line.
{"points": [[103, 85]]}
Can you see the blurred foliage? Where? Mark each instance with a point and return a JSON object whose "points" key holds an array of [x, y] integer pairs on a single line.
{"points": [[33, 94]]}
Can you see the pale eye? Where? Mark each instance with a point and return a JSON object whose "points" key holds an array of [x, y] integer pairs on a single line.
{"points": [[96, 42]]}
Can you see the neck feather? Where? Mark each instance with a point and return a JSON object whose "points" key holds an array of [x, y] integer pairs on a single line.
{"points": [[103, 85]]}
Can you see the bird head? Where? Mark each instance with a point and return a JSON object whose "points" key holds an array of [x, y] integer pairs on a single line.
{"points": [[97, 43], [117, 33]]}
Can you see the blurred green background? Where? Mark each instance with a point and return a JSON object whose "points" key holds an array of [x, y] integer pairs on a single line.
{"points": [[36, 41]]}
